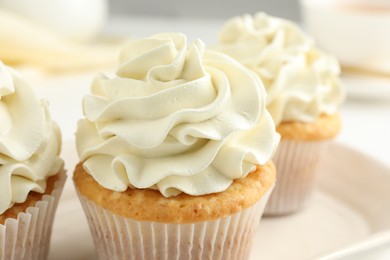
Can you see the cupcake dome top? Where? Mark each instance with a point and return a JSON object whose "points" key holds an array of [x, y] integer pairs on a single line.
{"points": [[175, 117], [301, 81], [29, 141]]}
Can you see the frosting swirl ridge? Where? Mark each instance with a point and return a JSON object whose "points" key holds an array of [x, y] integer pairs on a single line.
{"points": [[30, 142], [302, 82], [175, 118]]}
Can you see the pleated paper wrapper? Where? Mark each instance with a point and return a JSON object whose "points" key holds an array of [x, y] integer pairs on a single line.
{"points": [[117, 237], [28, 236], [296, 164]]}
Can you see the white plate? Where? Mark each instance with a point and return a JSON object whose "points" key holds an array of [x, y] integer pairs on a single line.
{"points": [[351, 203], [349, 215], [367, 87]]}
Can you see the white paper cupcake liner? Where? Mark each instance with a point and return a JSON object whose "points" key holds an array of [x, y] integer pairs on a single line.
{"points": [[28, 236], [117, 237], [296, 163]]}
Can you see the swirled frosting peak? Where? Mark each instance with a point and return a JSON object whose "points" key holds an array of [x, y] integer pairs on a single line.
{"points": [[29, 141], [176, 118], [301, 81]]}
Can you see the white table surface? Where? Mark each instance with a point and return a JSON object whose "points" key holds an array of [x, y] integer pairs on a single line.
{"points": [[365, 114]]}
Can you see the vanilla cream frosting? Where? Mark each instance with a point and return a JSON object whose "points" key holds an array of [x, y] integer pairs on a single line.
{"points": [[175, 118], [301, 81], [29, 141]]}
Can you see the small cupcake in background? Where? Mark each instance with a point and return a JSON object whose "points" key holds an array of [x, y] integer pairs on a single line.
{"points": [[175, 154], [304, 94], [31, 172]]}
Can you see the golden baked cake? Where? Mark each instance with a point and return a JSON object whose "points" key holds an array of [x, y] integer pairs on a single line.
{"points": [[175, 153], [151, 205], [32, 198], [325, 127]]}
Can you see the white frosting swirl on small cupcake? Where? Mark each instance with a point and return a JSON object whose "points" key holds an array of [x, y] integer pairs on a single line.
{"points": [[301, 81], [29, 141], [175, 118]]}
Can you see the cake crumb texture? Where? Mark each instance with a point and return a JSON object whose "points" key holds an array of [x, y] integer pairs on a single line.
{"points": [[151, 205], [32, 198], [325, 127]]}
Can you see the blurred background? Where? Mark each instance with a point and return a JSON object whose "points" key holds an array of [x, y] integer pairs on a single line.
{"points": [[60, 45], [206, 8], [66, 35]]}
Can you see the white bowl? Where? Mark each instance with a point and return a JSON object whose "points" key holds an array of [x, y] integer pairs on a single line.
{"points": [[357, 32]]}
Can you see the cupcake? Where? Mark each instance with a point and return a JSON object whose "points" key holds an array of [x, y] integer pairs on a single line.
{"points": [[304, 93], [175, 154], [31, 172]]}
